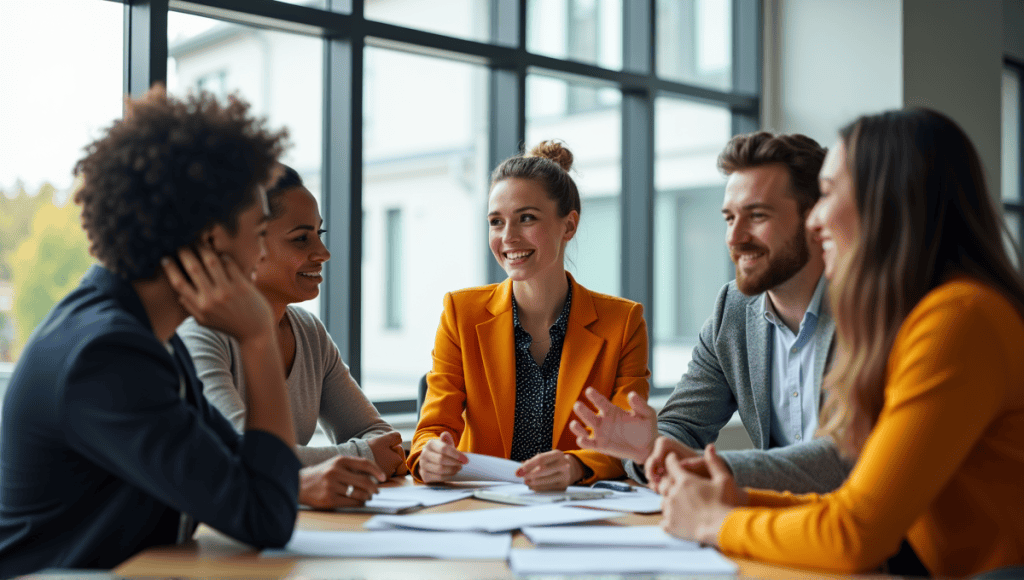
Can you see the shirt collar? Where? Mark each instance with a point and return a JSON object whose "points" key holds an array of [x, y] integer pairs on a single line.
{"points": [[561, 324], [813, 311]]}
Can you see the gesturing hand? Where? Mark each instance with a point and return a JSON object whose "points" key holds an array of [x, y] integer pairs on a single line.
{"points": [[219, 295], [551, 471], [440, 460], [626, 435], [339, 481], [388, 452], [693, 506], [654, 467]]}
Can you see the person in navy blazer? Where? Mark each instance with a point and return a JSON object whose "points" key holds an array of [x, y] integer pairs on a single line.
{"points": [[107, 445]]}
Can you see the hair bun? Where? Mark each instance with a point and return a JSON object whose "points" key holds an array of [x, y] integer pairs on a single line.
{"points": [[554, 151]]}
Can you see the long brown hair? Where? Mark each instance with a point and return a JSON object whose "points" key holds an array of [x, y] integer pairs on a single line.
{"points": [[925, 216]]}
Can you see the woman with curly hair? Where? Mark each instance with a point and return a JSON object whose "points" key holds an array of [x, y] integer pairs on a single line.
{"points": [[108, 446], [511, 359], [319, 383], [927, 393]]}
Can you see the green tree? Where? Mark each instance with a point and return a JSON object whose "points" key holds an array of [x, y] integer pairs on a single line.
{"points": [[47, 265], [17, 210]]}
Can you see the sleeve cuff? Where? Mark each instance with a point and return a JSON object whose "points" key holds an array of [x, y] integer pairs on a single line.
{"points": [[272, 458]]}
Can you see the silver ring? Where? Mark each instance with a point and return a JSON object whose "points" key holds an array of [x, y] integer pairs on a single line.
{"points": [[348, 492]]}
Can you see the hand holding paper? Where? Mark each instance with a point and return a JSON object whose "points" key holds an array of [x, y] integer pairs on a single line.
{"points": [[440, 460]]}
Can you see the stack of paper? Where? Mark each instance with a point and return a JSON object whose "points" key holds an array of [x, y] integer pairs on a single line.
{"points": [[640, 501], [393, 500], [614, 550], [599, 536], [396, 544], [619, 561], [496, 520]]}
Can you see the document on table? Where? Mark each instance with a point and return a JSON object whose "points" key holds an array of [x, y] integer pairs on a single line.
{"points": [[396, 544], [488, 468], [495, 520], [518, 493], [641, 501], [619, 561], [393, 500], [599, 536]]}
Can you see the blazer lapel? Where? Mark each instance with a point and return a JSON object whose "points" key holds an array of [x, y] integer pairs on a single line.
{"points": [[579, 353], [759, 352], [824, 345], [496, 341]]}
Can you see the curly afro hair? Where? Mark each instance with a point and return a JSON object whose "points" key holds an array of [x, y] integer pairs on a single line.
{"points": [[171, 168]]}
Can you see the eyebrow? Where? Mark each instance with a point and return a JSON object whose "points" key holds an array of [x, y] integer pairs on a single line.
{"points": [[520, 210], [752, 206], [302, 227]]}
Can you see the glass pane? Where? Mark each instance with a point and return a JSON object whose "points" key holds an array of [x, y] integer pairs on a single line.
{"points": [[694, 40], [469, 19], [310, 3], [588, 31], [589, 121], [1011, 135], [55, 98], [1014, 245], [279, 74], [690, 260], [424, 208]]}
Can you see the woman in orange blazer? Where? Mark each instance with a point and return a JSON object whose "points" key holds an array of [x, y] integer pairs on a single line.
{"points": [[927, 390], [511, 359]]}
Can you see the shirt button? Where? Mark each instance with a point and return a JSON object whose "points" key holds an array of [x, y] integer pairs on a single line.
{"points": [[796, 394], [798, 437], [793, 350]]}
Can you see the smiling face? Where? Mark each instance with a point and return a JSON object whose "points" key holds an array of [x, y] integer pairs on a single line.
{"points": [[527, 236], [764, 228], [834, 220], [293, 269]]}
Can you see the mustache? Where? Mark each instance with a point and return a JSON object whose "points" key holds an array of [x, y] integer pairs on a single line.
{"points": [[738, 249]]}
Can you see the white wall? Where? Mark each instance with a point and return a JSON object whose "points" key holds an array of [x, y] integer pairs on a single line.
{"points": [[827, 62], [953, 62]]}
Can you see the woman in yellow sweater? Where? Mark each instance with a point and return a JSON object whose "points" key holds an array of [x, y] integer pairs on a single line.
{"points": [[927, 393]]}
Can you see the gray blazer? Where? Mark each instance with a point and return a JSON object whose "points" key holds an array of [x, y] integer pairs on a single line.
{"points": [[731, 370]]}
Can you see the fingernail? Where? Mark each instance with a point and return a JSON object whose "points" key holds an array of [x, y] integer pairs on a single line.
{"points": [[165, 261]]}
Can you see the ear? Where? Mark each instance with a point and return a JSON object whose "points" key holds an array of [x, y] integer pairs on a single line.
{"points": [[216, 237], [572, 222]]}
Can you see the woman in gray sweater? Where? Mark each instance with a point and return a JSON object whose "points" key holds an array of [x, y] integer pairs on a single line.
{"points": [[319, 383]]}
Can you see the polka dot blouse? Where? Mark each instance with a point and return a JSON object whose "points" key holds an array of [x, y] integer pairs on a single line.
{"points": [[536, 387]]}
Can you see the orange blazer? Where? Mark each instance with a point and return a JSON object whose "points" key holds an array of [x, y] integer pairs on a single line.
{"points": [[471, 389]]}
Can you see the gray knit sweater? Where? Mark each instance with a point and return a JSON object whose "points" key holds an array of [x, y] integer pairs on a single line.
{"points": [[319, 386]]}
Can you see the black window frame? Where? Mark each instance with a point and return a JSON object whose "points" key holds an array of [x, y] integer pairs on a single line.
{"points": [[346, 32]]}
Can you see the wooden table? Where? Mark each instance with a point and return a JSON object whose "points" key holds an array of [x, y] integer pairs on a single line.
{"points": [[213, 555]]}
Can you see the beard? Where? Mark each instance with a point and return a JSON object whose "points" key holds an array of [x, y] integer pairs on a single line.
{"points": [[793, 256]]}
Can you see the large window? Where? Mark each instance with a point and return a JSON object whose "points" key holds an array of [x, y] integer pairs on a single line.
{"points": [[60, 84], [398, 111], [1012, 183]]}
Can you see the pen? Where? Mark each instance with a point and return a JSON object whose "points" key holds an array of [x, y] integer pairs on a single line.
{"points": [[613, 485]]}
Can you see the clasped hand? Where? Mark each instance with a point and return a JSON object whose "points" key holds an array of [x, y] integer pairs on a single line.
{"points": [[697, 495]]}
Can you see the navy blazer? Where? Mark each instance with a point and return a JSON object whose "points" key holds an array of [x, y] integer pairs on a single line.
{"points": [[99, 455]]}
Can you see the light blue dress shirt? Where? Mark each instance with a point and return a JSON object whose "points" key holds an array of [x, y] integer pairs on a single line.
{"points": [[795, 396]]}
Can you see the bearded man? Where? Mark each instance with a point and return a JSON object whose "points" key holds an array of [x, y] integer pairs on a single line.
{"points": [[764, 349]]}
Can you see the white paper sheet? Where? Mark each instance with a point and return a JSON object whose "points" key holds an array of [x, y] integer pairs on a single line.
{"points": [[396, 544], [619, 561], [496, 520], [632, 536], [641, 501], [425, 496], [518, 493], [488, 468]]}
